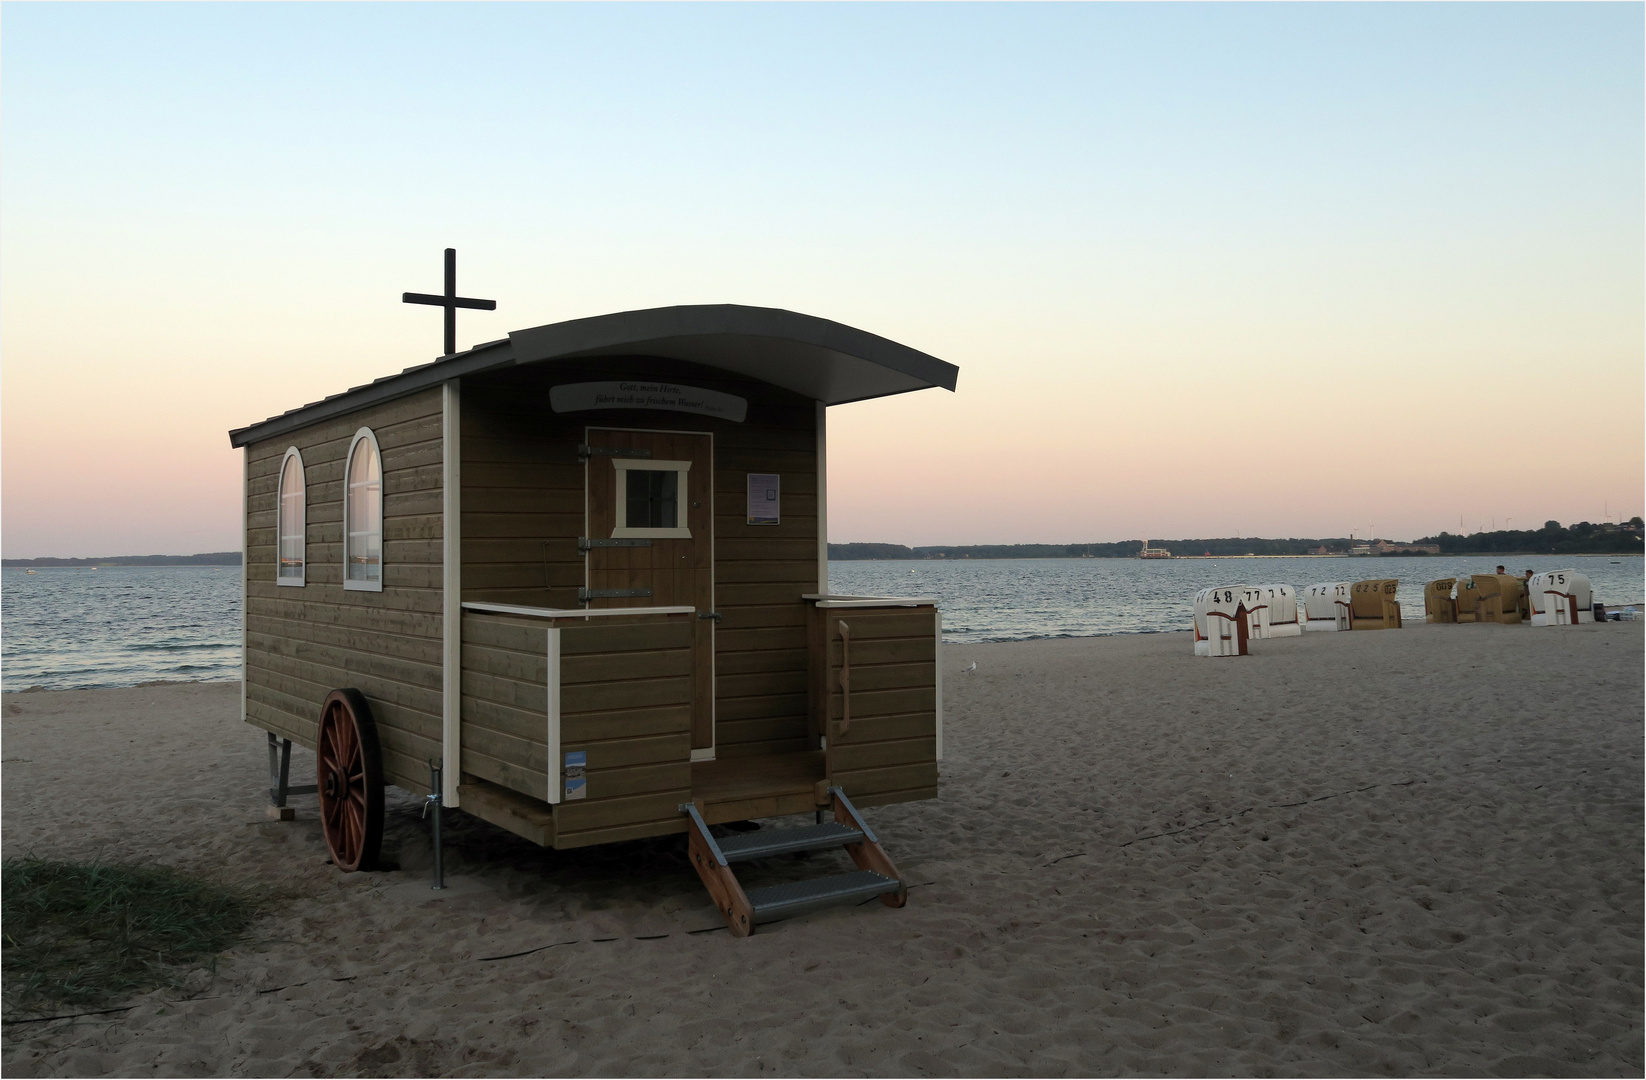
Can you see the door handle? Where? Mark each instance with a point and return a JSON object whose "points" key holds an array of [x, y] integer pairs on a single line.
{"points": [[715, 615]]}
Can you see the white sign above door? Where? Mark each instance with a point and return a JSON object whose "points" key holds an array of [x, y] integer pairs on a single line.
{"points": [[669, 397]]}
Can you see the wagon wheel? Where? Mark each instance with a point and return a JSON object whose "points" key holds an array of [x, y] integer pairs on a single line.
{"points": [[351, 781]]}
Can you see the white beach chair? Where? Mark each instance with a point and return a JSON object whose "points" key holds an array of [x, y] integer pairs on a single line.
{"points": [[1220, 623], [1281, 615], [1326, 606], [1257, 611], [1561, 598]]}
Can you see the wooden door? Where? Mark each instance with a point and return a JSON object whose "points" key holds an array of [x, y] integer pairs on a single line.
{"points": [[650, 500]]}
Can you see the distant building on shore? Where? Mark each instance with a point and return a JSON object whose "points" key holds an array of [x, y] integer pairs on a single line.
{"points": [[1153, 553], [1387, 547]]}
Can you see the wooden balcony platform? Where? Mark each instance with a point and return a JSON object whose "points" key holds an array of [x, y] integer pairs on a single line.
{"points": [[735, 789]]}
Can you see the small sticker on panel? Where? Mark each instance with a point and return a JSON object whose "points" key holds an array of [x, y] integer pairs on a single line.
{"points": [[575, 773], [763, 499]]}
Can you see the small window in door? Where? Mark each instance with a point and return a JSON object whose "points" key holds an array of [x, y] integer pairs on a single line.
{"points": [[651, 498]]}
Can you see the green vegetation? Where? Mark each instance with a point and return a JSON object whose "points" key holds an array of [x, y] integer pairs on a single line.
{"points": [[1584, 538], [80, 935]]}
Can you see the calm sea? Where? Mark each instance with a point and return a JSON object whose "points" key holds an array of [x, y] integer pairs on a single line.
{"points": [[73, 628], [1016, 599]]}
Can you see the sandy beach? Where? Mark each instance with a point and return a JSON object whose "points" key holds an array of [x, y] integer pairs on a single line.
{"points": [[1412, 852]]}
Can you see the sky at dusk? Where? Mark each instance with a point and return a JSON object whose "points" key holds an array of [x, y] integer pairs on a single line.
{"points": [[1244, 269]]}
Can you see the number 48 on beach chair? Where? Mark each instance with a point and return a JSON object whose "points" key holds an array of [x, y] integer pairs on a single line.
{"points": [[1221, 625]]}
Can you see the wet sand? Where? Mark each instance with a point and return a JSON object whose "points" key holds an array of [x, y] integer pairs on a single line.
{"points": [[1391, 852]]}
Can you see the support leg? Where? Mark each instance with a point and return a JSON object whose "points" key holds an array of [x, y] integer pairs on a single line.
{"points": [[434, 803], [280, 786]]}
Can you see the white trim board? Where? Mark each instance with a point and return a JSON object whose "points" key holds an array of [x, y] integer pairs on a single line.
{"points": [[826, 601], [572, 613], [556, 761], [822, 498], [937, 628]]}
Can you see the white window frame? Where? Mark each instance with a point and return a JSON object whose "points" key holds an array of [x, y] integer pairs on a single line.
{"points": [[300, 578], [354, 584], [622, 530]]}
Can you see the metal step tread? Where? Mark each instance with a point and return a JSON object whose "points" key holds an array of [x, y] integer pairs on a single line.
{"points": [[780, 901], [760, 844]]}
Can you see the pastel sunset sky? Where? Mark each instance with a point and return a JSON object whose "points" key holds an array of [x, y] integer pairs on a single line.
{"points": [[1247, 269]]}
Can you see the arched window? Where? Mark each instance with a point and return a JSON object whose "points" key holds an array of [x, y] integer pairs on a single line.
{"points": [[363, 515], [293, 519]]}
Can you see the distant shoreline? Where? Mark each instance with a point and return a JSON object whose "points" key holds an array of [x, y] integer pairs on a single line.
{"points": [[210, 558], [232, 558], [1204, 558]]}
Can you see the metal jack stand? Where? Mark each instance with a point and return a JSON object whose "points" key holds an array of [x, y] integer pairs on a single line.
{"points": [[279, 779], [434, 801]]}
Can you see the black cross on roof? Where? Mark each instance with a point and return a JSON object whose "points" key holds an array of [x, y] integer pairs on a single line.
{"points": [[450, 301]]}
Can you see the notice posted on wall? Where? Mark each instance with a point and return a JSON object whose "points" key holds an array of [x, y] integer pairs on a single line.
{"points": [[577, 780], [763, 499]]}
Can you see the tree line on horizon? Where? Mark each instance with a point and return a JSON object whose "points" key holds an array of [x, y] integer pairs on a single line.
{"points": [[1584, 538]]}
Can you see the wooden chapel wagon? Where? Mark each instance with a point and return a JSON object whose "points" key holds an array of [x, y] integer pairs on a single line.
{"points": [[583, 570]]}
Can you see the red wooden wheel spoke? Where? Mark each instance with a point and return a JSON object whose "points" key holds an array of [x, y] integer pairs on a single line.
{"points": [[351, 780]]}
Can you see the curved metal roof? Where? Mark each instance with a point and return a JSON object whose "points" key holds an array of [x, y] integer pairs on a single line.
{"points": [[823, 360]]}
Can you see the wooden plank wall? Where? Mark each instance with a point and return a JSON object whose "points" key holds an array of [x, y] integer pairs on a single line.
{"points": [[625, 700], [523, 512], [302, 643], [889, 754]]}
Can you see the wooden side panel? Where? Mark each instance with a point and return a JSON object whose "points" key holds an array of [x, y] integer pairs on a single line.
{"points": [[303, 642], [888, 751], [625, 701]]}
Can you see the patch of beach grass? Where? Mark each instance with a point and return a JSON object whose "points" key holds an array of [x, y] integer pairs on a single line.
{"points": [[82, 935]]}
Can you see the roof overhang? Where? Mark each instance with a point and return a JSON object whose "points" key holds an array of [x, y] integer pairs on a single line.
{"points": [[816, 358]]}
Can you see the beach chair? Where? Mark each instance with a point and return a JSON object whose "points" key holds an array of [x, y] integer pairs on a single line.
{"points": [[1438, 603], [1257, 612], [1283, 615], [1326, 606], [1373, 605], [1560, 598], [1221, 627], [1490, 598]]}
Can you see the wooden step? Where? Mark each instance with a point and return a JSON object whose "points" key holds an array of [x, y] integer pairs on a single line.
{"points": [[781, 901], [768, 842]]}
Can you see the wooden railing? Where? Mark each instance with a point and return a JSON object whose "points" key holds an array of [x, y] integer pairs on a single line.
{"points": [[875, 693]]}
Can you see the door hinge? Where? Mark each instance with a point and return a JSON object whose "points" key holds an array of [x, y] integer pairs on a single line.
{"points": [[585, 452], [585, 595], [585, 544]]}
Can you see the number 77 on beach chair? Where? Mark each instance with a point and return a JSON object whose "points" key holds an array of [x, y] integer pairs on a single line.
{"points": [[1221, 627]]}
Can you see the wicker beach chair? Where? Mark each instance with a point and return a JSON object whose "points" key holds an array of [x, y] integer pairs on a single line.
{"points": [[1373, 605], [1438, 603]]}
